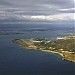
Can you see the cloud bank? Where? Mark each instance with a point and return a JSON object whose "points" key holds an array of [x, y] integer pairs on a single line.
{"points": [[38, 10]]}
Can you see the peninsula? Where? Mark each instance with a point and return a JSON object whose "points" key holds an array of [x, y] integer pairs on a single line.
{"points": [[64, 46]]}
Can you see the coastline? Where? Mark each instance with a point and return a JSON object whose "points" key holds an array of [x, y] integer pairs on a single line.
{"points": [[61, 54], [41, 44], [53, 52], [63, 58]]}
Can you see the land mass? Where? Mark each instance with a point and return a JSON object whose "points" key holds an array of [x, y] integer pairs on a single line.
{"points": [[64, 46], [10, 32]]}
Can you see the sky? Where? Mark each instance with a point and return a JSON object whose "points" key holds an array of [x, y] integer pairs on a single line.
{"points": [[38, 10]]}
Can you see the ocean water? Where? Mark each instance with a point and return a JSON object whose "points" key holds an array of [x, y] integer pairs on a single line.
{"points": [[15, 60]]}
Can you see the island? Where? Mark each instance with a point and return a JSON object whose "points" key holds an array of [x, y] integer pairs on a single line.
{"points": [[10, 32], [64, 46]]}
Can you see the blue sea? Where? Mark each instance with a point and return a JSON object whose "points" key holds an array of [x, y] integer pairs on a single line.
{"points": [[15, 60]]}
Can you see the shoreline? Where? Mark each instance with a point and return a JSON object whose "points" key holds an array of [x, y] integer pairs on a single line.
{"points": [[62, 56], [41, 44], [58, 54]]}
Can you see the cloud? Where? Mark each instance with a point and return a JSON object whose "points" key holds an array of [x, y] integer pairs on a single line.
{"points": [[57, 17], [69, 10], [26, 4], [49, 10]]}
